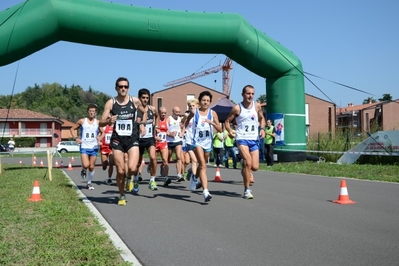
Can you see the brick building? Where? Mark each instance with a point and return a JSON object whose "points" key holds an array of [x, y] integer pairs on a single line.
{"points": [[369, 117], [179, 94], [320, 116], [66, 130]]}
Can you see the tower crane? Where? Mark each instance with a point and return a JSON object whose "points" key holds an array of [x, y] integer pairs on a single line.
{"points": [[226, 67]]}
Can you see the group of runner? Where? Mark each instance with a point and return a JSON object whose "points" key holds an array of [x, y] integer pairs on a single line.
{"points": [[129, 126]]}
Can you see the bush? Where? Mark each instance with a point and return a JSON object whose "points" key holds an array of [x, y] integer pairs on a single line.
{"points": [[22, 142]]}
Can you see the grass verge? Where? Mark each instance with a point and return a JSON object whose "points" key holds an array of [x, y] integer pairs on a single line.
{"points": [[387, 173], [59, 230]]}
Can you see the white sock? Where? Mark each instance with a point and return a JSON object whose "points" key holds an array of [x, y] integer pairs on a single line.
{"points": [[91, 174], [152, 178], [205, 191]]}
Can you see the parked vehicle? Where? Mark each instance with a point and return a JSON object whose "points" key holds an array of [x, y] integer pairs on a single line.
{"points": [[68, 146], [3, 148]]}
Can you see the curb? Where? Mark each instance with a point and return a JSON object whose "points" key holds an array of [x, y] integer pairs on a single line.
{"points": [[126, 253]]}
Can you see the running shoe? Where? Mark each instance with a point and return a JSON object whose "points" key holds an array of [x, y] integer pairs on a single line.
{"points": [[105, 164], [89, 186], [207, 196], [193, 183], [136, 186], [248, 194], [252, 180], [122, 200], [161, 170], [129, 185], [140, 178], [189, 173], [164, 170], [166, 181], [109, 182], [180, 178], [199, 185], [148, 168], [152, 185], [83, 173]]}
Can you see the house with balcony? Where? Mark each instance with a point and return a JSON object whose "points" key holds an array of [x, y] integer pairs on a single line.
{"points": [[19, 123], [369, 117]]}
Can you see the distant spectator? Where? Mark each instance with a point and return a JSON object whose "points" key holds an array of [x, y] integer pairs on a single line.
{"points": [[218, 148], [230, 149], [11, 145], [270, 132], [261, 149]]}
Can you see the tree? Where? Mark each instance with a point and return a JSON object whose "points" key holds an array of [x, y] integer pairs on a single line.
{"points": [[385, 97], [262, 98], [369, 100]]}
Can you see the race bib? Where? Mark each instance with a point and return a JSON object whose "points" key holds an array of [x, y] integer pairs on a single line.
{"points": [[250, 129], [124, 127], [203, 134], [108, 138], [162, 136], [148, 131]]}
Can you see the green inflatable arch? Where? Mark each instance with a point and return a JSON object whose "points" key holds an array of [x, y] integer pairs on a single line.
{"points": [[35, 24]]}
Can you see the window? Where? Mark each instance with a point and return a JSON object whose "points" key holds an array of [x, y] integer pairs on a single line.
{"points": [[5, 128], [307, 114], [43, 128], [159, 102], [23, 129], [43, 142]]}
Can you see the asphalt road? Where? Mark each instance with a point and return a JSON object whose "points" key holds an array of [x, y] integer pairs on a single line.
{"points": [[290, 221]]}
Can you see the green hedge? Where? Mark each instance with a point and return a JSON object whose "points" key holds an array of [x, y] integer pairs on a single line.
{"points": [[21, 142]]}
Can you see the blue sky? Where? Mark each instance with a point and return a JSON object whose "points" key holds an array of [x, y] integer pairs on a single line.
{"points": [[351, 42]]}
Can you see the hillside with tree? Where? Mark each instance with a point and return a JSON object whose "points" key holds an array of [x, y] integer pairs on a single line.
{"points": [[64, 102]]}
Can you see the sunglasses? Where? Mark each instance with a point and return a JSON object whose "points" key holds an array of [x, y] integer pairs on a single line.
{"points": [[123, 86]]}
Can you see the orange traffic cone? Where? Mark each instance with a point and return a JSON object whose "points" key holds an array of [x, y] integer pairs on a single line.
{"points": [[343, 197], [36, 192], [218, 178], [56, 163], [20, 161], [70, 166], [41, 163], [73, 159], [34, 163]]}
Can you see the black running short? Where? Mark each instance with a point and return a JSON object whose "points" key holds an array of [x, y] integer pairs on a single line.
{"points": [[172, 145], [122, 143], [146, 144]]}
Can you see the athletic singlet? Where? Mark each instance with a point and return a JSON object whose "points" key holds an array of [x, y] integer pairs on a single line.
{"points": [[89, 135], [163, 128], [149, 125], [203, 131], [107, 134], [189, 132], [247, 123], [174, 125], [125, 124]]}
